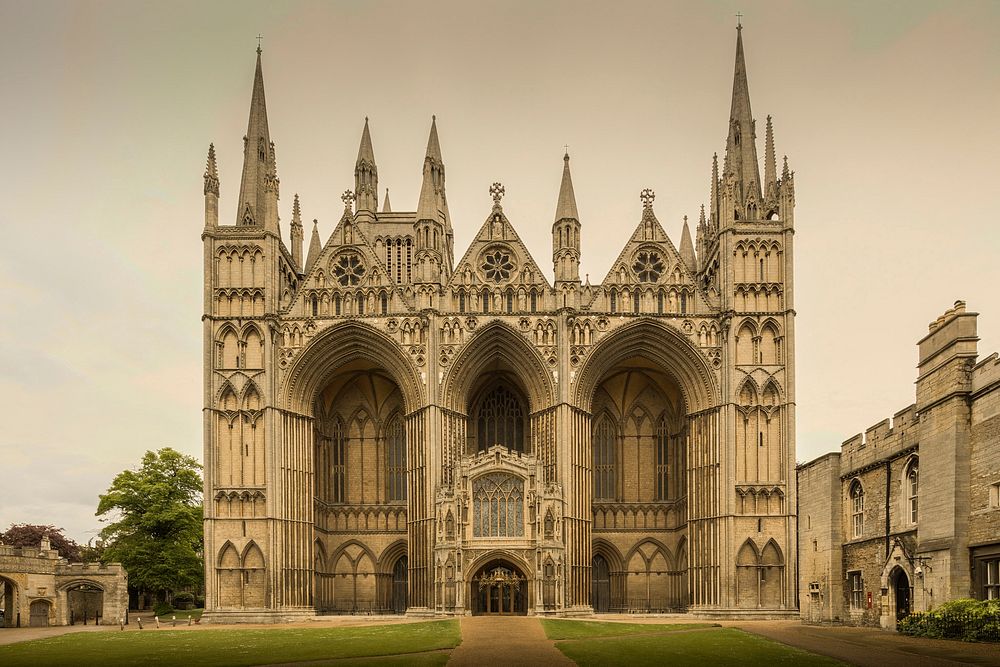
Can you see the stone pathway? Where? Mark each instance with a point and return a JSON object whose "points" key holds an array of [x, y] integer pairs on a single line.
{"points": [[515, 641], [14, 635]]}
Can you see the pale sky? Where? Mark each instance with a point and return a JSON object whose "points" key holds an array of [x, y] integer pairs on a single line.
{"points": [[888, 112]]}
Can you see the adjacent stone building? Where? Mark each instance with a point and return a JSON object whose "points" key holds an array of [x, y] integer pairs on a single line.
{"points": [[390, 429], [907, 515], [38, 588]]}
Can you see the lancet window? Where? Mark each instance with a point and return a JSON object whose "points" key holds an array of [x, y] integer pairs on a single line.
{"points": [[662, 471], [498, 506], [337, 461], [395, 441], [605, 459]]}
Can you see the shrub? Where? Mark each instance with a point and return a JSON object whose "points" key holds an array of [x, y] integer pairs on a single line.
{"points": [[184, 601], [965, 619], [163, 609]]}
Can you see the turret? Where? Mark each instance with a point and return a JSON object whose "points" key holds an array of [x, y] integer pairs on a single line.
{"points": [[296, 235], [741, 175], [432, 228], [770, 172], [315, 246], [386, 207], [566, 232], [366, 178], [211, 190], [257, 203], [687, 249]]}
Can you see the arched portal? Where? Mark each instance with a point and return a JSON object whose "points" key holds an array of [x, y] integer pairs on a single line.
{"points": [[601, 589], [84, 602], [901, 594], [399, 586], [40, 610], [499, 588], [9, 597]]}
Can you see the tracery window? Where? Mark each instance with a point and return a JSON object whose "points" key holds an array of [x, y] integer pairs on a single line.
{"points": [[500, 421], [662, 461], [337, 460], [614, 301], [497, 266], [912, 485], [395, 445], [498, 506], [857, 509], [486, 300], [605, 459], [648, 266], [349, 270]]}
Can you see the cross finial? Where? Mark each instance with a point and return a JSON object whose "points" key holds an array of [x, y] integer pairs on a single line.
{"points": [[739, 21], [566, 149], [347, 198], [259, 37], [647, 196], [497, 192]]}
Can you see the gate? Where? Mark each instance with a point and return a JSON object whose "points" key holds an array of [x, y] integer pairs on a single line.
{"points": [[40, 613]]}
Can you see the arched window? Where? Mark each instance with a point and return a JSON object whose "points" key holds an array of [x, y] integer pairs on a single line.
{"points": [[510, 301], [534, 301], [385, 303], [395, 460], [684, 302], [315, 305], [498, 506], [461, 301], [857, 509], [662, 471], [912, 484], [659, 302], [605, 459], [636, 300], [500, 420], [486, 300], [360, 300], [338, 457], [614, 301], [336, 304]]}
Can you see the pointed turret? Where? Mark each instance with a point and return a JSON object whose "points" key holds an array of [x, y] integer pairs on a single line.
{"points": [[386, 207], [687, 248], [741, 149], [713, 218], [257, 159], [366, 177], [701, 234], [211, 189], [433, 225], [770, 169], [566, 231], [315, 246], [296, 234]]}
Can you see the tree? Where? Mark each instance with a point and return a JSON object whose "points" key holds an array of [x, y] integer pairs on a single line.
{"points": [[30, 535], [155, 528]]}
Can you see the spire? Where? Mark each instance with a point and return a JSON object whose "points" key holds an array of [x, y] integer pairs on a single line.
{"points": [[432, 189], [258, 159], [211, 173], [315, 245], [296, 233], [741, 149], [366, 175], [433, 146], [714, 202], [770, 171], [566, 207], [427, 208], [687, 248], [386, 207]]}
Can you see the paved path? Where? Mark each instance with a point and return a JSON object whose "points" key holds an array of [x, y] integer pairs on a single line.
{"points": [[871, 646], [14, 635], [514, 641]]}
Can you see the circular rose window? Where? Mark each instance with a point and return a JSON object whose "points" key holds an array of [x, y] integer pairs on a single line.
{"points": [[349, 270], [648, 266], [497, 265]]}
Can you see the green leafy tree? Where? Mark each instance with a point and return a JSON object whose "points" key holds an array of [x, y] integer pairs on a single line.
{"points": [[30, 535], [155, 523]]}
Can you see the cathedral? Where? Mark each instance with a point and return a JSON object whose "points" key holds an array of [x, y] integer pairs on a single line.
{"points": [[391, 430]]}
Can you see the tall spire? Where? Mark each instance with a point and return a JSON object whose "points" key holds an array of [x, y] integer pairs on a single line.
{"points": [[296, 234], [770, 169], [366, 175], [433, 146], [211, 189], [566, 207], [257, 158], [687, 248], [741, 149], [386, 207], [315, 246]]}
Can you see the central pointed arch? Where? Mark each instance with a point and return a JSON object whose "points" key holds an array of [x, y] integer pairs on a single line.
{"points": [[497, 348]]}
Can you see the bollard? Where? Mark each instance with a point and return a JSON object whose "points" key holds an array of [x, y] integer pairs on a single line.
{"points": [[174, 621], [189, 620], [138, 620], [121, 622], [157, 620]]}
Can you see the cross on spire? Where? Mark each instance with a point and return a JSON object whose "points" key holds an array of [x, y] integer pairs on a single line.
{"points": [[259, 37], [647, 196], [739, 20], [497, 192], [347, 198]]}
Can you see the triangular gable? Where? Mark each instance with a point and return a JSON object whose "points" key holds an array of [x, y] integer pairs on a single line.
{"points": [[347, 236], [648, 260], [482, 264]]}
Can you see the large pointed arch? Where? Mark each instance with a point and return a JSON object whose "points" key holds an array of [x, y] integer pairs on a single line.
{"points": [[498, 347], [342, 344], [661, 344]]}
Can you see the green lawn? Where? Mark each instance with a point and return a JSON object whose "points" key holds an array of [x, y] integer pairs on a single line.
{"points": [[231, 646], [637, 645]]}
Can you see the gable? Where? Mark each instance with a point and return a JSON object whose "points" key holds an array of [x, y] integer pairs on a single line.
{"points": [[497, 258]]}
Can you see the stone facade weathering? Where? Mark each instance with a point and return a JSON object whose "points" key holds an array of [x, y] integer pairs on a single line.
{"points": [[907, 515], [393, 427]]}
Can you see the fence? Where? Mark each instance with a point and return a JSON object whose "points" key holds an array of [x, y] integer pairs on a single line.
{"points": [[975, 626]]}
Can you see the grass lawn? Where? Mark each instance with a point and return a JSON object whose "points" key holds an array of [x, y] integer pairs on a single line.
{"points": [[231, 646], [637, 645]]}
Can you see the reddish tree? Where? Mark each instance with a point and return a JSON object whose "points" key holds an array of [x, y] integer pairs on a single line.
{"points": [[30, 535]]}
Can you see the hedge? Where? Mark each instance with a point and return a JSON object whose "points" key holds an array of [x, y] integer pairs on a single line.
{"points": [[965, 619]]}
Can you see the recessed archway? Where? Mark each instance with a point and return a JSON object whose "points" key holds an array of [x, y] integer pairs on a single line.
{"points": [[499, 587]]}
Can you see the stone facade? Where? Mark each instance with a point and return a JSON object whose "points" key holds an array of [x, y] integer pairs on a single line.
{"points": [[38, 588], [389, 430], [907, 515]]}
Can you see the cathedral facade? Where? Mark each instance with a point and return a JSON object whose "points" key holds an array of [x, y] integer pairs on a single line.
{"points": [[389, 429]]}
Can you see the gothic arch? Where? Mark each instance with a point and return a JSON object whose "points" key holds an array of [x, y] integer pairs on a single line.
{"points": [[339, 552], [342, 344], [659, 546], [392, 553], [497, 346], [512, 557], [660, 343], [610, 553]]}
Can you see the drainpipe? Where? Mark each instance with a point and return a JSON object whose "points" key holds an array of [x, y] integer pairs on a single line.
{"points": [[888, 489]]}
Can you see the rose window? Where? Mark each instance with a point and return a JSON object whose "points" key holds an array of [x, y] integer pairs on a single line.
{"points": [[497, 265], [648, 266], [349, 270]]}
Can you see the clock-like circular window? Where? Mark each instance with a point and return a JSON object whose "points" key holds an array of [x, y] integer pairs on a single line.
{"points": [[349, 270], [648, 266], [497, 265]]}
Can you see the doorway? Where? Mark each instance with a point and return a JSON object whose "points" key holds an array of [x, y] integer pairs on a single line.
{"points": [[499, 589], [601, 585], [400, 588], [40, 613], [902, 595]]}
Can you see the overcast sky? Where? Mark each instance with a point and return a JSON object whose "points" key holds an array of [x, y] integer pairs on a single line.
{"points": [[888, 112]]}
